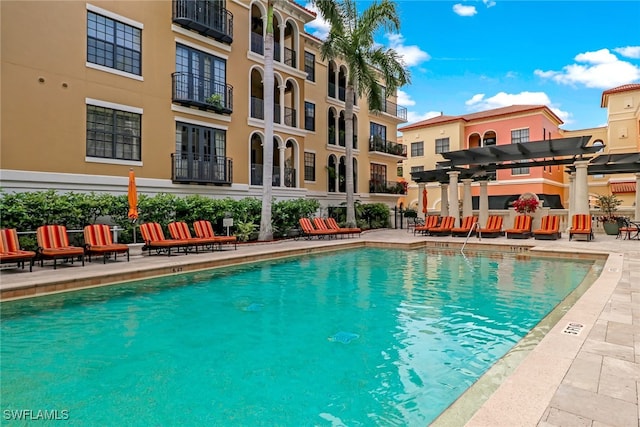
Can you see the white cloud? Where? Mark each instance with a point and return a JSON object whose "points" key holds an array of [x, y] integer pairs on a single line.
{"points": [[412, 55], [463, 10], [318, 27], [478, 102], [414, 117], [601, 69], [629, 51], [404, 99], [489, 3], [475, 99]]}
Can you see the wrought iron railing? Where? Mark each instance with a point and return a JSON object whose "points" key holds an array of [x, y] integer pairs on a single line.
{"points": [[290, 117], [207, 94], [257, 179], [257, 109], [189, 167], [257, 43], [289, 57], [380, 145], [386, 187], [205, 17], [394, 109]]}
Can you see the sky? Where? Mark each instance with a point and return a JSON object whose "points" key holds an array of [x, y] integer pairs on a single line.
{"points": [[469, 56]]}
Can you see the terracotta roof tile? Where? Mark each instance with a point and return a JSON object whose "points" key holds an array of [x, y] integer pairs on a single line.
{"points": [[623, 88]]}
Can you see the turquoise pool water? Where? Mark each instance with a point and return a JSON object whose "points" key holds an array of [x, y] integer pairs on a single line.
{"points": [[357, 337]]}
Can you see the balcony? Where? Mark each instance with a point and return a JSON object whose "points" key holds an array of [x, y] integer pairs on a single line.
{"points": [[290, 117], [289, 175], [386, 187], [377, 144], [204, 17], [394, 110], [257, 110], [195, 91], [289, 57], [201, 169]]}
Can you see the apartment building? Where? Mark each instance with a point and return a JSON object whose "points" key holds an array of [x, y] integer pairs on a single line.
{"points": [[428, 139], [174, 90]]}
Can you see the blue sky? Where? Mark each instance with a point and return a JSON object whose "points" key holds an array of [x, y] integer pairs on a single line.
{"points": [[469, 56]]}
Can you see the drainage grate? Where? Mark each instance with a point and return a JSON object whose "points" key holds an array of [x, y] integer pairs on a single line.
{"points": [[573, 328]]}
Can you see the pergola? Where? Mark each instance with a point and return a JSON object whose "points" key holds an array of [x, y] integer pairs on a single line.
{"points": [[474, 164]]}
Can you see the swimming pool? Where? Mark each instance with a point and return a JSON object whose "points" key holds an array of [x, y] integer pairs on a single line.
{"points": [[365, 336]]}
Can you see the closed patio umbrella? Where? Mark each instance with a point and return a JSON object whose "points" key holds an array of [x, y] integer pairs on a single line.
{"points": [[133, 201], [424, 201]]}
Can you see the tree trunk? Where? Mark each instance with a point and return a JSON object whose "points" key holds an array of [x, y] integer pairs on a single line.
{"points": [[348, 136], [266, 228]]}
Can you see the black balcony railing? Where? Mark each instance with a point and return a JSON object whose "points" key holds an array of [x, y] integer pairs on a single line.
{"points": [[257, 43], [332, 90], [189, 167], [257, 110], [386, 187], [289, 57], [206, 94], [394, 109], [290, 117], [380, 145], [289, 175], [204, 17]]}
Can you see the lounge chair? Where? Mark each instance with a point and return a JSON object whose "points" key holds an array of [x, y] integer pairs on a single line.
{"points": [[53, 243], [581, 226], [204, 230], [627, 229], [10, 250], [429, 222], [333, 225], [153, 237], [98, 241], [445, 227], [549, 228], [468, 224], [493, 227], [521, 228], [308, 230]]}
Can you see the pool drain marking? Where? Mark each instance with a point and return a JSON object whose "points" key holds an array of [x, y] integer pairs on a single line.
{"points": [[573, 328]]}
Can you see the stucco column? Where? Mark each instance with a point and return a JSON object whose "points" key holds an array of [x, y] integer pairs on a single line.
{"points": [[637, 216], [421, 186], [572, 199], [454, 209], [444, 199], [582, 188], [281, 154], [467, 207], [483, 215]]}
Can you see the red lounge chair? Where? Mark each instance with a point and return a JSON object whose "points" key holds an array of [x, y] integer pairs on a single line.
{"points": [[493, 227], [10, 250], [53, 243], [468, 223], [98, 241], [333, 225], [308, 231], [445, 227], [549, 228], [581, 225], [204, 230], [521, 228], [430, 222], [153, 237]]}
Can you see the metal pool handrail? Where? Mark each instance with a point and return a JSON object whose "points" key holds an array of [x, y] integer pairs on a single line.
{"points": [[475, 225]]}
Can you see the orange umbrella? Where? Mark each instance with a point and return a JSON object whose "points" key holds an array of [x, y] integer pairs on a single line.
{"points": [[133, 197], [424, 201]]}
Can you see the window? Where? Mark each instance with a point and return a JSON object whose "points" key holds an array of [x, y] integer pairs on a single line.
{"points": [[199, 75], [442, 145], [310, 66], [200, 153], [378, 136], [520, 136], [309, 166], [113, 134], [417, 149], [417, 169], [378, 183], [113, 44], [309, 116]]}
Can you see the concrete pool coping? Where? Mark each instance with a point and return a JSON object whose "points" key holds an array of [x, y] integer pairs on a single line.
{"points": [[545, 389]]}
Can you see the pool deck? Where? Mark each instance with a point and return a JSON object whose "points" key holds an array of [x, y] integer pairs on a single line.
{"points": [[584, 372]]}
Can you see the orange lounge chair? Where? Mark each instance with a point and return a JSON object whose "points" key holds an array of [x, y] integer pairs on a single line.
{"points": [[581, 225], [308, 231], [333, 225], [53, 243], [10, 250], [549, 228], [445, 227], [493, 227], [153, 237], [468, 223], [98, 241], [521, 228], [430, 222], [204, 230]]}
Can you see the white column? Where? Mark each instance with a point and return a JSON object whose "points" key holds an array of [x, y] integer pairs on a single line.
{"points": [[444, 200], [483, 215], [281, 150], [637, 216], [454, 209], [421, 186], [582, 188], [467, 207], [572, 199]]}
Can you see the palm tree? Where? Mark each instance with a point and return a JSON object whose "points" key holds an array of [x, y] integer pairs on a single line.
{"points": [[351, 39], [266, 227]]}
